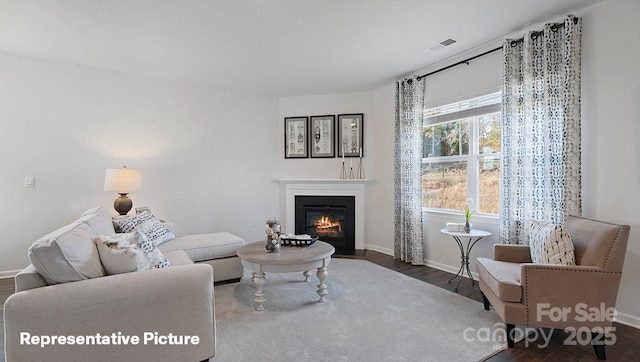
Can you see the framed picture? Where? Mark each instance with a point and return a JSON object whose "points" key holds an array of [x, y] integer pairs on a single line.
{"points": [[295, 137], [350, 135], [322, 135]]}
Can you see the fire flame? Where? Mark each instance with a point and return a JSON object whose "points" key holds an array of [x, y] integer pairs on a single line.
{"points": [[325, 222]]}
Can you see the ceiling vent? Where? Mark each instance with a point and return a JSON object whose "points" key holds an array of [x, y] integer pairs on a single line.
{"points": [[445, 43]]}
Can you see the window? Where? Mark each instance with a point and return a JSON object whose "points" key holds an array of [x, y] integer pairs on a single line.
{"points": [[461, 155]]}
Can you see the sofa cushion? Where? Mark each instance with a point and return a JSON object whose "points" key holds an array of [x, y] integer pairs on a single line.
{"points": [[99, 219], [67, 255], [202, 247], [550, 244], [502, 277]]}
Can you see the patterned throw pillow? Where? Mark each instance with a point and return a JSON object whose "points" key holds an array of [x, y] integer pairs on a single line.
{"points": [[153, 254], [146, 224], [128, 224], [550, 244]]}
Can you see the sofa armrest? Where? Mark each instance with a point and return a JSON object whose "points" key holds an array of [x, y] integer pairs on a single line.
{"points": [[177, 301], [576, 290], [29, 278], [512, 253]]}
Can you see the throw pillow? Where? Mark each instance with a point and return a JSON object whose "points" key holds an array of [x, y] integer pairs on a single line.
{"points": [[67, 255], [147, 224], [155, 231], [153, 255], [127, 224], [550, 244], [119, 255]]}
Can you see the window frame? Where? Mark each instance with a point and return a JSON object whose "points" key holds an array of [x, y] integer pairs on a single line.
{"points": [[474, 156]]}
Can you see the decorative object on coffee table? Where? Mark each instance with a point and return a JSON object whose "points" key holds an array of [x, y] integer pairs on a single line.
{"points": [[273, 236], [298, 240]]}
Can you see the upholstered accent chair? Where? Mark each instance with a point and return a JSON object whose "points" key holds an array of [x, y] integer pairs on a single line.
{"points": [[528, 294]]}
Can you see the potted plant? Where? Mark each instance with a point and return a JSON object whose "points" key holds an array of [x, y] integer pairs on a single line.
{"points": [[467, 217]]}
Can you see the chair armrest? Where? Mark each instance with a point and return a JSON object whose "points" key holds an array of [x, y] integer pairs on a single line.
{"points": [[578, 290], [512, 253], [177, 300]]}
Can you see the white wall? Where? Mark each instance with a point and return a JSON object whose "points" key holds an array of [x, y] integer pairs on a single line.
{"points": [[207, 157], [611, 128], [611, 114]]}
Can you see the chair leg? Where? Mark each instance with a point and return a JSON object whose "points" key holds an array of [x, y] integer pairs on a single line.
{"points": [[510, 342], [597, 341], [485, 301]]}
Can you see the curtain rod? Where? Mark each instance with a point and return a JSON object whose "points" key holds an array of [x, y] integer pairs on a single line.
{"points": [[513, 43], [466, 61]]}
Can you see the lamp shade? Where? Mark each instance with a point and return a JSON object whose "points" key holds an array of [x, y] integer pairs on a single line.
{"points": [[122, 180]]}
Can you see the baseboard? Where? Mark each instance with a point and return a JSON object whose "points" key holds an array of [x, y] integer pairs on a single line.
{"points": [[378, 249], [448, 268], [8, 273], [627, 319]]}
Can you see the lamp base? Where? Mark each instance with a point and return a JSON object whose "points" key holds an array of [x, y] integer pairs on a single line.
{"points": [[123, 204]]}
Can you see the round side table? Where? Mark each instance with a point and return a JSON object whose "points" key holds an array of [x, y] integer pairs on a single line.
{"points": [[473, 237]]}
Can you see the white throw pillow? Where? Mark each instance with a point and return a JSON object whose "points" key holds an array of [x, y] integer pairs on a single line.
{"points": [[67, 255], [119, 255], [550, 244], [128, 252]]}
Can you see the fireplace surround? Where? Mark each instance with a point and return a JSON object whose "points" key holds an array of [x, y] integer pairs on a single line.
{"points": [[290, 188]]}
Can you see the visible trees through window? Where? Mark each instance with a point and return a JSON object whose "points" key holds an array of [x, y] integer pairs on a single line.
{"points": [[461, 155]]}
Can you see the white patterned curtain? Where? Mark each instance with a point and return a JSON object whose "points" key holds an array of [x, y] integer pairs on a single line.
{"points": [[541, 165], [408, 245]]}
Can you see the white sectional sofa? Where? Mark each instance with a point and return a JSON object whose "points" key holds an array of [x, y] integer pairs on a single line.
{"points": [[66, 292]]}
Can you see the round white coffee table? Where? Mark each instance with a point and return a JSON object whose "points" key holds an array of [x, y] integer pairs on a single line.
{"points": [[289, 259]]}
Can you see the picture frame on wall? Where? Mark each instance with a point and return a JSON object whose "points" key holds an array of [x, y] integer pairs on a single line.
{"points": [[296, 143], [351, 135], [322, 136]]}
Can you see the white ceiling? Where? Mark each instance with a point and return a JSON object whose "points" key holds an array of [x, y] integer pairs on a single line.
{"points": [[274, 47]]}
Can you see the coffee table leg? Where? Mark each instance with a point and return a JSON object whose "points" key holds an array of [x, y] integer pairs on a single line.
{"points": [[322, 288], [260, 294], [306, 274]]}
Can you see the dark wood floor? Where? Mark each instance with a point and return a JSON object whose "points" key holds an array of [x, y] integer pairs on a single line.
{"points": [[627, 347]]}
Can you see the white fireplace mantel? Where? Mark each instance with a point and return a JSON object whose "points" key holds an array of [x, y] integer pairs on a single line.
{"points": [[325, 187]]}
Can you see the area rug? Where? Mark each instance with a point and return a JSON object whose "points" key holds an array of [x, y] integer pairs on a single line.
{"points": [[371, 314]]}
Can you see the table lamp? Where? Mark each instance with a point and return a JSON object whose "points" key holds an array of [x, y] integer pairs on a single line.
{"points": [[123, 181]]}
